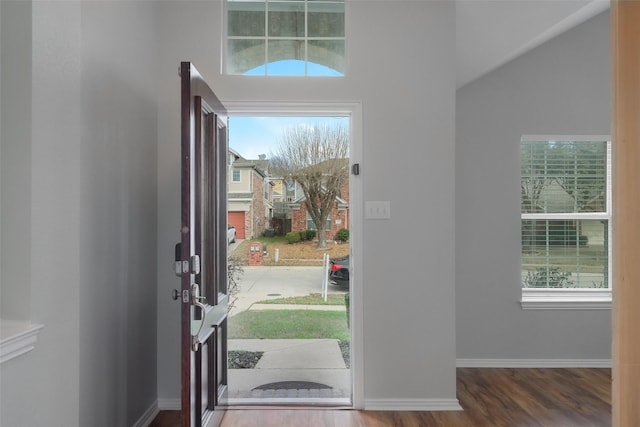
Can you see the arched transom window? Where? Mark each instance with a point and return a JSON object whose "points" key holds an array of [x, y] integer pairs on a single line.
{"points": [[286, 37]]}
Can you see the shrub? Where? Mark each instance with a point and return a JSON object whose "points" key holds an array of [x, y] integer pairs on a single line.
{"points": [[548, 278], [311, 234], [234, 271], [292, 237], [303, 235], [343, 235]]}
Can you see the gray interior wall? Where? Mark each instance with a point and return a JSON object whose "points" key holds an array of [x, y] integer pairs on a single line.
{"points": [[15, 178], [562, 87], [401, 66], [92, 204], [118, 221]]}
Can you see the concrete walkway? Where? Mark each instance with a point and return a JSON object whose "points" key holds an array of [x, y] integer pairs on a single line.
{"points": [[314, 361]]}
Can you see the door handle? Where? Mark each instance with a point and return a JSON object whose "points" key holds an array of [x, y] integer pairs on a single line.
{"points": [[211, 318]]}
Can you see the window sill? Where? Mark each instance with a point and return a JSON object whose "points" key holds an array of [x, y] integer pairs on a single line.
{"points": [[17, 338], [566, 299]]}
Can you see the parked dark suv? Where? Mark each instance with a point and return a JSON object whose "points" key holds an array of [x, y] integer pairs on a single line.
{"points": [[339, 272]]}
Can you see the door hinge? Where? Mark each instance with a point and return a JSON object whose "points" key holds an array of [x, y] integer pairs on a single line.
{"points": [[355, 169]]}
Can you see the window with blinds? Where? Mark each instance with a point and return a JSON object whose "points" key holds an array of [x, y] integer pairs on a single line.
{"points": [[285, 37], [565, 213]]}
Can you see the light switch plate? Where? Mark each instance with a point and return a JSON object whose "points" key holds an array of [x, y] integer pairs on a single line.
{"points": [[377, 210]]}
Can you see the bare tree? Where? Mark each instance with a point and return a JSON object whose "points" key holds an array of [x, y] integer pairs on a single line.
{"points": [[316, 157]]}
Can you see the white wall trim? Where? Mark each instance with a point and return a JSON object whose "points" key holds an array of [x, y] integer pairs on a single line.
{"points": [[148, 416], [17, 338], [412, 405], [533, 363], [169, 404], [566, 299]]}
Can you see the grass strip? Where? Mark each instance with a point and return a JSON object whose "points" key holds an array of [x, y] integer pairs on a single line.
{"points": [[288, 324]]}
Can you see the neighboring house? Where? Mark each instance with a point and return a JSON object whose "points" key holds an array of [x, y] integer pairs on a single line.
{"points": [[282, 198], [338, 219], [290, 212], [249, 197]]}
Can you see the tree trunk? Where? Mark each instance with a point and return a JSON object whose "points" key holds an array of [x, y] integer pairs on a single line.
{"points": [[322, 238]]}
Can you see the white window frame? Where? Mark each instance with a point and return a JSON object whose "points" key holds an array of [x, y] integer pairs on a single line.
{"points": [[574, 298], [233, 175], [328, 222]]}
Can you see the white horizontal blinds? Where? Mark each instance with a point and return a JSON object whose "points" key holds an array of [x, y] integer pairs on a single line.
{"points": [[565, 215], [563, 176], [260, 34]]}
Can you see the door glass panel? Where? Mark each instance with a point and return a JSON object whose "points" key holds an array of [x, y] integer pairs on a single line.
{"points": [[273, 352], [204, 361]]}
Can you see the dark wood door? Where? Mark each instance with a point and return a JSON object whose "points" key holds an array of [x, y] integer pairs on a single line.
{"points": [[203, 252]]}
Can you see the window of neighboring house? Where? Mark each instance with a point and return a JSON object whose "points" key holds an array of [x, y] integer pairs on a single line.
{"points": [[566, 222], [285, 37], [312, 225], [235, 175]]}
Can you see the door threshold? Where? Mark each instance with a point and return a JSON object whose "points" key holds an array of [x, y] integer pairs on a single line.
{"points": [[331, 402]]}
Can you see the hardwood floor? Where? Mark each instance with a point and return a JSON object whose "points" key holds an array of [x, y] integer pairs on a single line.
{"points": [[489, 397]]}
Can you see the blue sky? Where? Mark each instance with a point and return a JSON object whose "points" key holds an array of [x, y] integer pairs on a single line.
{"points": [[252, 136], [293, 67]]}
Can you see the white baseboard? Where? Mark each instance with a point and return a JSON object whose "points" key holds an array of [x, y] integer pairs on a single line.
{"points": [[169, 404], [148, 416], [412, 405], [533, 363]]}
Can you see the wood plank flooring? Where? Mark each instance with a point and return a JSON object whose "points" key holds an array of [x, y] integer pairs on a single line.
{"points": [[489, 397]]}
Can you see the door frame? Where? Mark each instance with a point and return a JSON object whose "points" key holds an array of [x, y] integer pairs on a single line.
{"points": [[353, 110]]}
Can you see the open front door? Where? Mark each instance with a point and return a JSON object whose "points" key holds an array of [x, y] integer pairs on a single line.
{"points": [[203, 252]]}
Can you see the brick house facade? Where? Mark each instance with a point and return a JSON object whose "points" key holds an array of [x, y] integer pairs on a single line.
{"points": [[339, 214]]}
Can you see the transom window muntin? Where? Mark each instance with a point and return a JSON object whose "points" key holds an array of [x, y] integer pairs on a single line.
{"points": [[309, 35], [566, 218]]}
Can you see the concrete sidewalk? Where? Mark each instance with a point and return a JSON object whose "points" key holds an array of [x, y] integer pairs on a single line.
{"points": [[262, 283]]}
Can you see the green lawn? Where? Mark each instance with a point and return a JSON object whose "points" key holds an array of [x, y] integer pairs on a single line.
{"points": [[289, 324]]}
